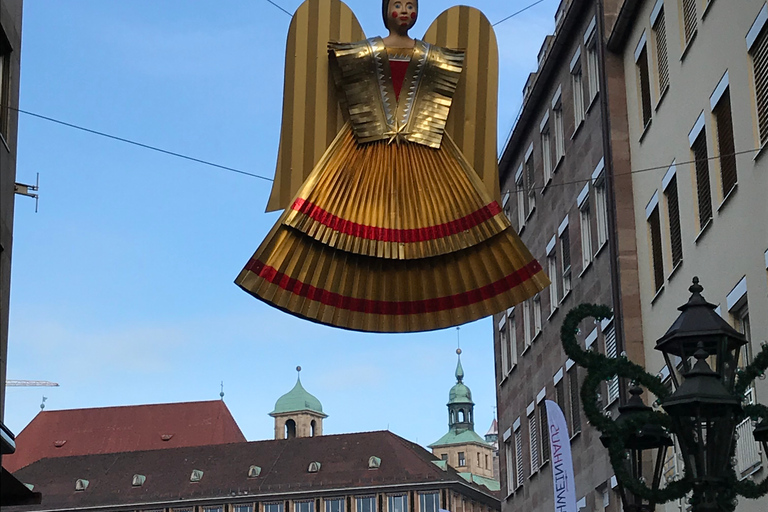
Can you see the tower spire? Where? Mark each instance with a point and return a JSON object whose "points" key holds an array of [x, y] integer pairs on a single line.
{"points": [[459, 369]]}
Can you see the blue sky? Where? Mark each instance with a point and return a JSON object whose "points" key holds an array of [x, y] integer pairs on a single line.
{"points": [[122, 285]]}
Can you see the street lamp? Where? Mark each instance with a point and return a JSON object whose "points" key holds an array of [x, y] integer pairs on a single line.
{"points": [[640, 444], [702, 354]]}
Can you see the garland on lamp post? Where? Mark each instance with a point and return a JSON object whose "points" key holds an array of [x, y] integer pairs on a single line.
{"points": [[601, 368]]}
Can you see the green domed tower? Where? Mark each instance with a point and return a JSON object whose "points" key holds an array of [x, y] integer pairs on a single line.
{"points": [[298, 413], [461, 446]]}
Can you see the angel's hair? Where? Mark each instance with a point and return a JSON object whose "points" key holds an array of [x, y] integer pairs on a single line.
{"points": [[385, 10]]}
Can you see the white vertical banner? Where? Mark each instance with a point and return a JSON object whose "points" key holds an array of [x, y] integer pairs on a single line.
{"points": [[562, 462]]}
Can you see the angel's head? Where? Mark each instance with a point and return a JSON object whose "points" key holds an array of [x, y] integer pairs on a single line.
{"points": [[399, 15]]}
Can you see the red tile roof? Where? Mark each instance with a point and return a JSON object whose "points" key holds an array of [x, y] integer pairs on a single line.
{"points": [[123, 429], [284, 463]]}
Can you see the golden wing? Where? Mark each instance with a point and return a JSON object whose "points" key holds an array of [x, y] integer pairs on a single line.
{"points": [[473, 118], [312, 116]]}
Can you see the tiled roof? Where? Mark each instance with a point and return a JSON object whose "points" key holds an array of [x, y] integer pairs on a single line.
{"points": [[123, 429], [455, 437], [284, 471]]}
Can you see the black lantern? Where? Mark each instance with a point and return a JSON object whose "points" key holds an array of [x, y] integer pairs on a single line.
{"points": [[704, 415], [700, 327], [640, 445]]}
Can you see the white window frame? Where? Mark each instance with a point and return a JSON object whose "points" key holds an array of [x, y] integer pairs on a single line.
{"points": [[601, 204], [585, 227], [577, 88], [554, 299], [566, 271], [593, 70]]}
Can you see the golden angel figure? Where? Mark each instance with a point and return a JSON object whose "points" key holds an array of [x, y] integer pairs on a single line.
{"points": [[392, 221]]}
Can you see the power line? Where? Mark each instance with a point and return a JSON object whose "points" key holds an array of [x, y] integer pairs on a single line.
{"points": [[279, 7], [518, 12], [141, 145]]}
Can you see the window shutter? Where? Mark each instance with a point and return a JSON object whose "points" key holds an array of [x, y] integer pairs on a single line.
{"points": [[702, 179], [656, 250], [760, 65], [725, 142], [534, 442], [611, 351], [573, 387], [673, 210], [662, 56], [544, 426], [645, 86], [689, 19], [519, 456]]}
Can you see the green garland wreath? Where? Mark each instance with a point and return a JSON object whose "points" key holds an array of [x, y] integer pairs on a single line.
{"points": [[601, 368]]}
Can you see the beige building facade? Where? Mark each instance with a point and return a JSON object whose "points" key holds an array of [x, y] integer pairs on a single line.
{"points": [[696, 73]]}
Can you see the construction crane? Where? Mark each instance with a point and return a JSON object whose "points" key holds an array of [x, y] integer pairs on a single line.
{"points": [[31, 383]]}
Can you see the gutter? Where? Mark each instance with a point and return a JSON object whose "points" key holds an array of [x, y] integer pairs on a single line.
{"points": [[624, 22]]}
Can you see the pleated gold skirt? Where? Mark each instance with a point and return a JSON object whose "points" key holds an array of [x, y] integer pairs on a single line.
{"points": [[388, 237]]}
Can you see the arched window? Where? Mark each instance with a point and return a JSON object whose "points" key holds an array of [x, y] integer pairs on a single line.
{"points": [[453, 418], [312, 428], [461, 415], [290, 429]]}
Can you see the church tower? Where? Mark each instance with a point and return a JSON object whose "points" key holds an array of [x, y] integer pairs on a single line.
{"points": [[298, 413], [462, 447]]}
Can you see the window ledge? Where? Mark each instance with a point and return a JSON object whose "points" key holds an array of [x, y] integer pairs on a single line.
{"points": [[645, 130], [592, 102], [544, 464], [526, 349], [575, 435], [530, 213], [600, 249], [688, 45], [546, 184], [533, 474], [611, 404], [7, 147], [536, 336], [577, 129], [586, 267], [520, 231], [706, 9], [674, 270], [565, 296], [511, 494], [704, 229], [759, 152], [553, 313], [507, 374], [662, 95], [730, 193], [557, 165], [657, 295]]}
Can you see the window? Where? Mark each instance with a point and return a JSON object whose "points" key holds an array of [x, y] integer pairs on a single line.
{"points": [[557, 118], [519, 466], [565, 256], [506, 205], [527, 322], [593, 74], [601, 206], [659, 25], [398, 503], [512, 338], [560, 392], [725, 144], [444, 456], [644, 81], [536, 315], [673, 214], [757, 44], [362, 504], [544, 429], [429, 502], [703, 193], [546, 154], [478, 459], [244, 508], [531, 182], [273, 507], [215, 508], [689, 19], [304, 506], [575, 403], [504, 346], [334, 505], [585, 226], [654, 231], [5, 89], [609, 335], [520, 194], [533, 431], [487, 462], [462, 460], [577, 85], [552, 267]]}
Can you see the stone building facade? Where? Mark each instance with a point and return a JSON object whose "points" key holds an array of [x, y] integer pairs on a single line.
{"points": [[566, 188]]}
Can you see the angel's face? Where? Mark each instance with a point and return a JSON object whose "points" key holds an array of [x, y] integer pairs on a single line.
{"points": [[402, 15]]}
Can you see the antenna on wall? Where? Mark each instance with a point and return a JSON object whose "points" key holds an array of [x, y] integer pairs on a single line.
{"points": [[29, 190]]}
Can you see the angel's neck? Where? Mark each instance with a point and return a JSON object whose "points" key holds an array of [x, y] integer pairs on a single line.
{"points": [[396, 40]]}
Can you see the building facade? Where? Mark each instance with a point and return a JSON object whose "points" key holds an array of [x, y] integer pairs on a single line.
{"points": [[696, 75], [566, 188], [10, 62]]}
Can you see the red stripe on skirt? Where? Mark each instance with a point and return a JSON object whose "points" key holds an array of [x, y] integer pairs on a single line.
{"points": [[385, 307], [393, 234]]}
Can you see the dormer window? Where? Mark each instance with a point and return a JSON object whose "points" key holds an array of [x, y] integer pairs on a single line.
{"points": [[196, 475], [374, 462], [81, 484], [314, 467], [254, 471], [138, 480]]}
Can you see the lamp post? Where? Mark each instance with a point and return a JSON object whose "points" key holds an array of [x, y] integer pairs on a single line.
{"points": [[702, 352]]}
